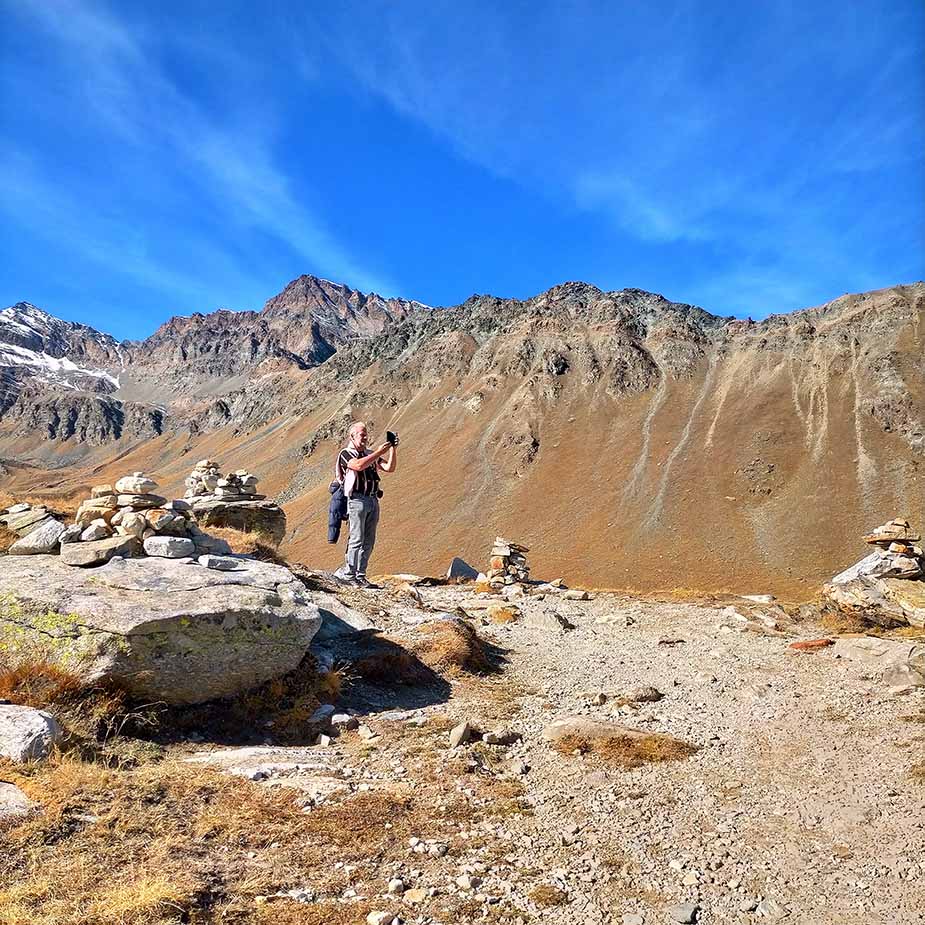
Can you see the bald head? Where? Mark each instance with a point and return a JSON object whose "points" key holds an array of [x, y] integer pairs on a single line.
{"points": [[358, 434]]}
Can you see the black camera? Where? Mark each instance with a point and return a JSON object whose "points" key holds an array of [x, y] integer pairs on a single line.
{"points": [[391, 438]]}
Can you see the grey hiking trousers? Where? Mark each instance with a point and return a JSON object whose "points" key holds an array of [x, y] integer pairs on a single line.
{"points": [[363, 512]]}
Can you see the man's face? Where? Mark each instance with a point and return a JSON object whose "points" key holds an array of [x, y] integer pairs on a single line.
{"points": [[360, 436]]}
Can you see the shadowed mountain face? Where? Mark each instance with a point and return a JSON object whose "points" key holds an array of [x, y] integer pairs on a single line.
{"points": [[630, 441]]}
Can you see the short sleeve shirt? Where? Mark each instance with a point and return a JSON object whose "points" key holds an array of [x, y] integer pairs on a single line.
{"points": [[367, 481]]}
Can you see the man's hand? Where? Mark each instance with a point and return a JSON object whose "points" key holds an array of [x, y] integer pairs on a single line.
{"points": [[364, 462]]}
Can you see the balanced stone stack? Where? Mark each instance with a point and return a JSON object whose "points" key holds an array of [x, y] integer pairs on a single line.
{"points": [[508, 563], [129, 519], [207, 482], [232, 501], [886, 586]]}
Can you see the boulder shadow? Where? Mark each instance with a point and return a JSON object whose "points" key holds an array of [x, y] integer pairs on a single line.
{"points": [[380, 674]]}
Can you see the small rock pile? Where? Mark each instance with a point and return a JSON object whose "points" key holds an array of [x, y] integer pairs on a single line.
{"points": [[887, 585], [36, 525], [897, 554], [508, 563], [125, 519], [206, 482]]}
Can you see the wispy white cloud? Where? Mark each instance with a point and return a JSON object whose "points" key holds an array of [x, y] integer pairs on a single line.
{"points": [[118, 78], [675, 123], [109, 239]]}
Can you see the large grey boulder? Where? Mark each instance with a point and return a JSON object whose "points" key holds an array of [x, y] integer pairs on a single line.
{"points": [[43, 540], [888, 602], [27, 734], [161, 628], [264, 517]]}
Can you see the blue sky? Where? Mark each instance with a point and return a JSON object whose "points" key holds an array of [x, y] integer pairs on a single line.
{"points": [[166, 158]]}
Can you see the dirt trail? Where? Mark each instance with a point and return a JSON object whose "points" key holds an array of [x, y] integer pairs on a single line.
{"points": [[800, 796]]}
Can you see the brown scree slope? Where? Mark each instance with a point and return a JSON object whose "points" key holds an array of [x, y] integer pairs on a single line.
{"points": [[630, 441]]}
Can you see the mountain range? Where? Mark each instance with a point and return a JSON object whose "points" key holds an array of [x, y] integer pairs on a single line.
{"points": [[631, 441]]}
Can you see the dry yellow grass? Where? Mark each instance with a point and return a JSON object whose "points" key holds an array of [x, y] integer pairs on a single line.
{"points": [[545, 894], [96, 714], [171, 842], [625, 750], [65, 504], [837, 621], [89, 713], [259, 545], [7, 538], [453, 646]]}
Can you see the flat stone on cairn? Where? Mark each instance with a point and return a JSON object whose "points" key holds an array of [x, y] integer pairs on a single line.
{"points": [[508, 563], [169, 547]]}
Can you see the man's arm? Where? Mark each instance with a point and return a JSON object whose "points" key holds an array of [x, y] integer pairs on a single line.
{"points": [[364, 462], [391, 458]]}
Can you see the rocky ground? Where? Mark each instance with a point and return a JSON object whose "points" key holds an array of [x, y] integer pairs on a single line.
{"points": [[804, 799]]}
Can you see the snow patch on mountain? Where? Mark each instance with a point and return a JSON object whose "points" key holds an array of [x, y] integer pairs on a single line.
{"points": [[60, 370]]}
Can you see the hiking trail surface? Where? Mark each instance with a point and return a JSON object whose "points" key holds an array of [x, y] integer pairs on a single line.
{"points": [[768, 783]]}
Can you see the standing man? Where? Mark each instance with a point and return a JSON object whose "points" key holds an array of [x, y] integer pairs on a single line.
{"points": [[358, 470]]}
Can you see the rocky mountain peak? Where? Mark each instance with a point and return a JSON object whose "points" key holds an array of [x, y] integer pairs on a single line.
{"points": [[28, 327]]}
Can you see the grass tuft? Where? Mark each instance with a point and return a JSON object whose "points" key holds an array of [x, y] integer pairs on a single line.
{"points": [[452, 647], [259, 545], [545, 894], [627, 751]]}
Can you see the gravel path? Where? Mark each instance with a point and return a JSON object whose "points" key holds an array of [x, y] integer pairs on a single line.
{"points": [[800, 794], [798, 805]]}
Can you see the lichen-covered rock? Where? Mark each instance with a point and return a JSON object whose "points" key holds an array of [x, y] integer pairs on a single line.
{"points": [[43, 540], [162, 629], [27, 734]]}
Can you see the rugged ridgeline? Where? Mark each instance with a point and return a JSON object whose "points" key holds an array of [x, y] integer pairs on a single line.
{"points": [[629, 440]]}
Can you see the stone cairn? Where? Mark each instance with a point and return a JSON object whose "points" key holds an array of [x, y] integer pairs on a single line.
{"points": [[125, 519], [887, 586], [508, 564], [206, 483], [897, 554]]}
